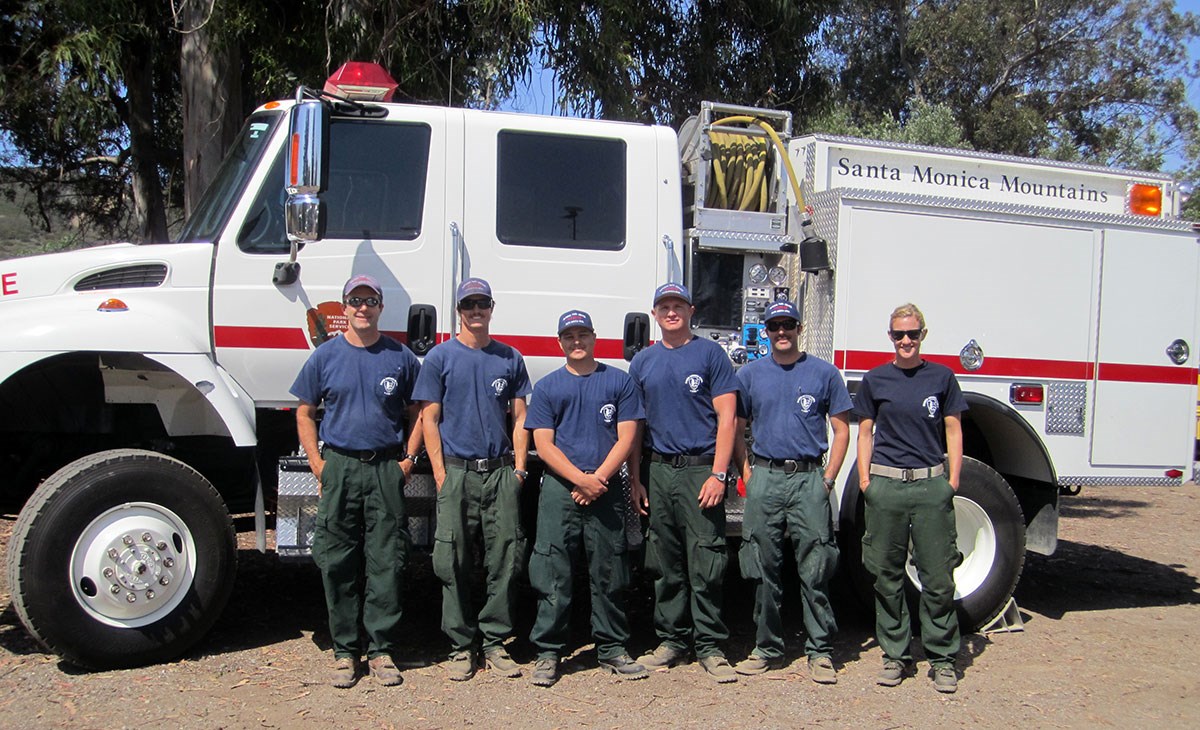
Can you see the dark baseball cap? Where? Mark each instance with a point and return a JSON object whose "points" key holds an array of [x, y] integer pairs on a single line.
{"points": [[575, 318], [362, 280], [781, 309], [473, 288], [672, 289]]}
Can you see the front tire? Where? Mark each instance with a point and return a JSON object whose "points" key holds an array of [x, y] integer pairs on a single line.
{"points": [[122, 558]]}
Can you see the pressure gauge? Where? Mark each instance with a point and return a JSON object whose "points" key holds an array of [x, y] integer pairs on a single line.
{"points": [[777, 275], [758, 274]]}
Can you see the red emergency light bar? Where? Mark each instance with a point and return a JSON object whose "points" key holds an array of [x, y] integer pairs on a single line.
{"points": [[1026, 394], [362, 81]]}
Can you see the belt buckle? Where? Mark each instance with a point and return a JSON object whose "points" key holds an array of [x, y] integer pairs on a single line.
{"points": [[790, 466], [907, 475], [362, 456], [480, 465], [679, 461]]}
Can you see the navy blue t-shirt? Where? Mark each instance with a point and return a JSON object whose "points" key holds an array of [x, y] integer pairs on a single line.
{"points": [[584, 411], [677, 386], [475, 388], [787, 405], [909, 408], [365, 391]]}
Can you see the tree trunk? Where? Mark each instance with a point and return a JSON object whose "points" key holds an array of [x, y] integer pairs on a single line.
{"points": [[212, 98], [149, 206]]}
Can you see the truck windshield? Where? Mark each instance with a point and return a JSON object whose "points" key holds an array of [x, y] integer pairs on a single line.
{"points": [[210, 215]]}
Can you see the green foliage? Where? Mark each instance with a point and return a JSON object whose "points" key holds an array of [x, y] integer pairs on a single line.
{"points": [[1100, 81]]}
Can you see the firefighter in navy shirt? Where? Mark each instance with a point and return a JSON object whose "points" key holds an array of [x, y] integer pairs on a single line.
{"points": [[470, 386], [365, 381], [584, 417], [908, 478], [689, 392], [788, 397]]}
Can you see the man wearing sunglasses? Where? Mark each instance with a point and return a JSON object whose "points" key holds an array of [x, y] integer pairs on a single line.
{"points": [[909, 459], [788, 398], [360, 543], [689, 392], [469, 387]]}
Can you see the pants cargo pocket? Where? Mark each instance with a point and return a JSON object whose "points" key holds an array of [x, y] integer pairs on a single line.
{"points": [[444, 558], [710, 560], [652, 563], [544, 570], [748, 560]]}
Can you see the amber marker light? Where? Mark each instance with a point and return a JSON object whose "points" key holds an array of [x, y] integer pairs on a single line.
{"points": [[112, 305], [1145, 199]]}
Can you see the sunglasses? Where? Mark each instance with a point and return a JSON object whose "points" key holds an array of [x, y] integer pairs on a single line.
{"points": [[787, 324], [468, 304], [359, 301], [898, 335]]}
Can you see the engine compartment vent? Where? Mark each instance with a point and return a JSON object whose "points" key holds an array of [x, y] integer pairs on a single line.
{"points": [[127, 277]]}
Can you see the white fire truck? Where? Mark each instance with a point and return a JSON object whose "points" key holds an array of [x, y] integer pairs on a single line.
{"points": [[145, 388]]}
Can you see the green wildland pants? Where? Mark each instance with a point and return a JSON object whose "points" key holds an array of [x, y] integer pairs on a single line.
{"points": [[922, 511], [360, 543]]}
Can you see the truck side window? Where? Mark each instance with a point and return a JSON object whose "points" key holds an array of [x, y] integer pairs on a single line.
{"points": [[377, 173], [560, 191]]}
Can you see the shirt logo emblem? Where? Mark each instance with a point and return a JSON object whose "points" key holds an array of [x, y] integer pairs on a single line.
{"points": [[693, 383], [389, 385], [806, 402], [931, 406], [608, 412], [500, 385]]}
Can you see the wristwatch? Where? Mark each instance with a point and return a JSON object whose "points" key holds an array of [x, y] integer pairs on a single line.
{"points": [[829, 482], [720, 476], [521, 473]]}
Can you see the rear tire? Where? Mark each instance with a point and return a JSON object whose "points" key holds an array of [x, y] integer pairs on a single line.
{"points": [[991, 537], [122, 558]]}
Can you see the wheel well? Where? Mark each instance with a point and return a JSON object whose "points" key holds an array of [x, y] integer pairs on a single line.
{"points": [[63, 407], [997, 435]]}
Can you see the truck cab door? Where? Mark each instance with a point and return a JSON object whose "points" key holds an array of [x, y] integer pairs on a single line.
{"points": [[384, 215]]}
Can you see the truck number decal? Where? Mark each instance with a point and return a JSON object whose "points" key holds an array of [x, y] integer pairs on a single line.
{"points": [[8, 283]]}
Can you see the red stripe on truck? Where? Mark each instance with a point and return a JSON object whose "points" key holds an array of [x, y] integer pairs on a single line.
{"points": [[1033, 369]]}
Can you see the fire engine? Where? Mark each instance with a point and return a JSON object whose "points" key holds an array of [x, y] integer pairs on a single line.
{"points": [[144, 389]]}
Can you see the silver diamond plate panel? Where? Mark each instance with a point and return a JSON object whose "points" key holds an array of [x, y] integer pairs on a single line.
{"points": [[819, 289], [1062, 214], [296, 508], [1066, 408], [1069, 481]]}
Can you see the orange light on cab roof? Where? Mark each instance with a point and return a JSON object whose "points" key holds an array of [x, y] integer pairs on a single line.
{"points": [[1145, 199]]}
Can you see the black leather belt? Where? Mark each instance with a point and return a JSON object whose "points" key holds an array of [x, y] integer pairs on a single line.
{"points": [[679, 461], [787, 466], [480, 466], [368, 456]]}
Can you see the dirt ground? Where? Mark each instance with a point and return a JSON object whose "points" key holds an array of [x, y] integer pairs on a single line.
{"points": [[1111, 629]]}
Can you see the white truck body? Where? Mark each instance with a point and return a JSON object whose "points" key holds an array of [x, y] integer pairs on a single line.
{"points": [[1038, 270]]}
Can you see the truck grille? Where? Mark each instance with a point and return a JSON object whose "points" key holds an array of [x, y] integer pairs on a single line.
{"points": [[129, 277]]}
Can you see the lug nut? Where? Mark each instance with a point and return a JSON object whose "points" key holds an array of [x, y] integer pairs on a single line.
{"points": [[114, 589], [149, 595], [112, 553], [169, 562], [164, 581], [128, 540], [130, 598], [161, 545], [109, 572], [147, 537]]}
